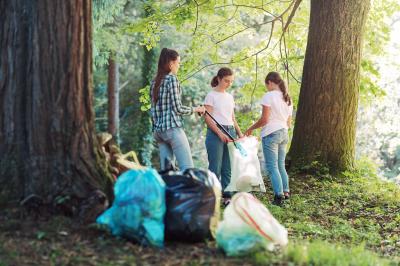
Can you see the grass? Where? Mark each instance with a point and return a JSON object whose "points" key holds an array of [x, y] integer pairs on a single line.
{"points": [[351, 219], [321, 253]]}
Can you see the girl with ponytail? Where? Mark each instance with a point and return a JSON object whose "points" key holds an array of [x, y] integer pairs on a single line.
{"points": [[275, 120], [220, 104], [167, 110]]}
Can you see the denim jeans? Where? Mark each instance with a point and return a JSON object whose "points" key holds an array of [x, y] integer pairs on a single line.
{"points": [[173, 142], [274, 148], [218, 157]]}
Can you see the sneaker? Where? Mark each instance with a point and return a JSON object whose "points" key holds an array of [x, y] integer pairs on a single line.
{"points": [[278, 200], [226, 201], [286, 195]]}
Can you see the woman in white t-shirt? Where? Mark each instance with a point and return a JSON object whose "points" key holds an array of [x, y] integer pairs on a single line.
{"points": [[220, 105], [275, 120]]}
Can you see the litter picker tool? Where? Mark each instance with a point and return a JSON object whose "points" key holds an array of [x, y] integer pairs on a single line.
{"points": [[237, 145]]}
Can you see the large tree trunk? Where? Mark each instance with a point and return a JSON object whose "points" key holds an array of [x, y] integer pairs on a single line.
{"points": [[113, 98], [48, 146], [326, 117], [148, 70]]}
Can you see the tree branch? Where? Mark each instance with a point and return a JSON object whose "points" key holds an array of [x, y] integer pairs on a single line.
{"points": [[296, 6], [197, 17], [233, 62], [255, 84], [293, 6]]}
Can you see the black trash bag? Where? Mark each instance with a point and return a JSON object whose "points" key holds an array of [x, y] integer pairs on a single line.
{"points": [[193, 205]]}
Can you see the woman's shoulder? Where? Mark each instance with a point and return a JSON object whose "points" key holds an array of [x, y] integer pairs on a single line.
{"points": [[273, 93], [171, 76], [218, 94], [212, 92], [225, 93], [171, 79], [210, 95], [267, 94]]}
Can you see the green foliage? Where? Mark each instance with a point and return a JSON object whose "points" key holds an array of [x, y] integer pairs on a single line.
{"points": [[321, 253], [355, 207], [104, 11], [107, 38], [376, 38], [316, 168], [369, 78], [40, 235], [61, 199], [151, 35], [211, 34], [100, 107], [145, 98], [211, 38]]}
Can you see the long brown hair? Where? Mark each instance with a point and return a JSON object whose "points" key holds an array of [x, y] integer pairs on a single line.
{"points": [[166, 56], [276, 78], [222, 72]]}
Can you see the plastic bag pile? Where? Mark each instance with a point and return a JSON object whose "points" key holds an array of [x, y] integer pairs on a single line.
{"points": [[248, 227], [186, 207]]}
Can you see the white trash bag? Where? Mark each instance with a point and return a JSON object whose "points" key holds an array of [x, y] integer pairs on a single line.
{"points": [[248, 226], [246, 172]]}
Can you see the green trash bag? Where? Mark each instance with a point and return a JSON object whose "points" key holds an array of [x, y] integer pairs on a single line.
{"points": [[139, 207], [248, 227]]}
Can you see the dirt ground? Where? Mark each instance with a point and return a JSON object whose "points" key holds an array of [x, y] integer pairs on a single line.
{"points": [[60, 240]]}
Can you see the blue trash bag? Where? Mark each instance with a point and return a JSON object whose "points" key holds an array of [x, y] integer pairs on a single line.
{"points": [[139, 207]]}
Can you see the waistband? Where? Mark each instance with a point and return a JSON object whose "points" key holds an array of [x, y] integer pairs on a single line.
{"points": [[226, 127]]}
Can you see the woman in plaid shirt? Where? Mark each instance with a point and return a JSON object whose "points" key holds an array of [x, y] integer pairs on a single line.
{"points": [[166, 111]]}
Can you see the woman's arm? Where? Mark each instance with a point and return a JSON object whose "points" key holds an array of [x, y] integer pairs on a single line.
{"points": [[177, 106], [289, 121], [261, 122], [237, 128], [211, 124]]}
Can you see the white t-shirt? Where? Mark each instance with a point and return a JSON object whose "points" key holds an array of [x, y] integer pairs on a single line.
{"points": [[279, 114], [223, 105]]}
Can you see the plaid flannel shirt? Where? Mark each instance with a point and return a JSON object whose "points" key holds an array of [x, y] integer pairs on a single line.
{"points": [[167, 112]]}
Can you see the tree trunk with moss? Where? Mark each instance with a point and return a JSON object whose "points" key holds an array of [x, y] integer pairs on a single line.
{"points": [[48, 147], [326, 117], [148, 70]]}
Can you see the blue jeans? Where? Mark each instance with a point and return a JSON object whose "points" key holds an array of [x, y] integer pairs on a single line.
{"points": [[218, 157], [174, 142], [274, 148]]}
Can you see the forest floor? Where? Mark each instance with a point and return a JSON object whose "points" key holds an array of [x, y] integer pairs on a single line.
{"points": [[353, 219]]}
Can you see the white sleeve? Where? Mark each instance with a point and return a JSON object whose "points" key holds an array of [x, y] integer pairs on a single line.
{"points": [[266, 99], [209, 100]]}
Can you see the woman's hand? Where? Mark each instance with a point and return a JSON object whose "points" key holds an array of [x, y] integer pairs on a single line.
{"points": [[200, 110], [224, 138], [248, 132]]}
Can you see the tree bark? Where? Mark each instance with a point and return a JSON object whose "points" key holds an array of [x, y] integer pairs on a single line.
{"points": [[113, 98], [326, 117], [48, 145]]}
